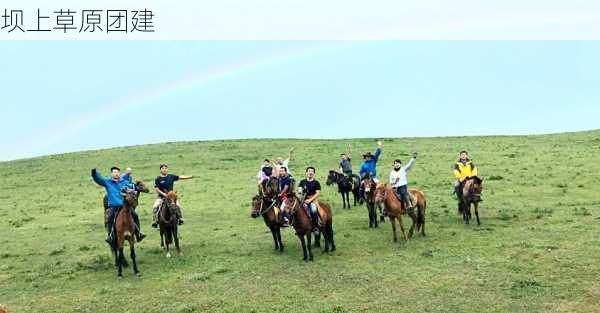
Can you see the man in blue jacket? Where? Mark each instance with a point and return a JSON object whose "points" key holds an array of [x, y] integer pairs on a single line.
{"points": [[369, 165], [113, 186]]}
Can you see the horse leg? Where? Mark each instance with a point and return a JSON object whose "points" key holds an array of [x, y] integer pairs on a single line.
{"points": [[278, 230], [477, 213], [176, 237], [121, 257], [467, 213], [381, 217], [167, 239], [330, 231], [132, 254], [371, 223], [402, 228], [309, 239], [326, 237], [162, 238], [274, 233], [317, 241], [393, 221], [414, 222], [303, 242]]}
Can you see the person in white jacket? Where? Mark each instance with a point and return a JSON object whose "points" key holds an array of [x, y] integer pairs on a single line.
{"points": [[399, 181]]}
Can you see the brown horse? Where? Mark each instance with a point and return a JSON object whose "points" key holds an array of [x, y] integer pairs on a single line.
{"points": [[263, 205], [471, 194], [303, 225], [167, 221], [125, 230], [139, 187], [368, 187], [395, 208]]}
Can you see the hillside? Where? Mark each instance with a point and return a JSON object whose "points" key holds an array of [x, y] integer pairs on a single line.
{"points": [[537, 249]]}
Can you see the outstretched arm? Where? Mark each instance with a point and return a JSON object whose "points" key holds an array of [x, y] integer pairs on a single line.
{"points": [[98, 179], [184, 177]]}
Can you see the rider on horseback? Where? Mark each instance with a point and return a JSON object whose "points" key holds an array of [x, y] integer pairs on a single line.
{"points": [[113, 186], [464, 169], [285, 188], [369, 166], [311, 188], [346, 163], [163, 184], [266, 171], [399, 181]]}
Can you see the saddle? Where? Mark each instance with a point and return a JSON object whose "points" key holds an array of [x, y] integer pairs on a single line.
{"points": [[413, 199]]}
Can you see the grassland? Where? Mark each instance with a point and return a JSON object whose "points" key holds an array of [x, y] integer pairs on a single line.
{"points": [[537, 249]]}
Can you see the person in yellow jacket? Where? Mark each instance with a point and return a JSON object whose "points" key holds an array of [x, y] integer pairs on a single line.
{"points": [[463, 170]]}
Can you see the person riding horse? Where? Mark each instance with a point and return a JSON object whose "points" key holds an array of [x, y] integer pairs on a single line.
{"points": [[284, 191], [464, 169], [311, 188], [346, 163], [369, 166], [399, 181], [113, 186], [163, 184]]}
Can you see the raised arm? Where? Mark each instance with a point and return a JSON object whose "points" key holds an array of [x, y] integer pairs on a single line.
{"points": [[410, 164], [377, 154], [127, 175], [98, 179], [291, 152]]}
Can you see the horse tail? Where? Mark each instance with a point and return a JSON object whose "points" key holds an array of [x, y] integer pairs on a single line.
{"points": [[421, 214]]}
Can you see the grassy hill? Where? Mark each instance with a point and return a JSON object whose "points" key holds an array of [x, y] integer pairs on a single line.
{"points": [[537, 249]]}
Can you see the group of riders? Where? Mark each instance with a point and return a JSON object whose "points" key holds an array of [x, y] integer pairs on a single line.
{"points": [[464, 169], [310, 187], [117, 183]]}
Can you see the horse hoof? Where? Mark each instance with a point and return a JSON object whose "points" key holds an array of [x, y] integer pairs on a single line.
{"points": [[119, 277], [179, 253], [138, 275], [310, 259], [169, 255]]}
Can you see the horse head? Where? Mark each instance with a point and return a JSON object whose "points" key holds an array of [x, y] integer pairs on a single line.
{"points": [[331, 178], [380, 192], [141, 187], [130, 196], [474, 188], [257, 204]]}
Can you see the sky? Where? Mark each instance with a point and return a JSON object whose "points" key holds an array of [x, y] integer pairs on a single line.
{"points": [[65, 96]]}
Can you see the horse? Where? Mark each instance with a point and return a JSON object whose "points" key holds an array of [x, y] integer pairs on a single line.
{"points": [[303, 225], [139, 187], [345, 186], [368, 186], [263, 204], [125, 230], [471, 194], [395, 208], [167, 222]]}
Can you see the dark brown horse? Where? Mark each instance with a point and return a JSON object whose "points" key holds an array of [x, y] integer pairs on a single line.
{"points": [[167, 222], [396, 208], [263, 205], [368, 186], [139, 187], [303, 225], [346, 185], [471, 194], [125, 230]]}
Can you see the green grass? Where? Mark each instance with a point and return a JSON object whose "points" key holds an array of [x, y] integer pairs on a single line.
{"points": [[536, 251]]}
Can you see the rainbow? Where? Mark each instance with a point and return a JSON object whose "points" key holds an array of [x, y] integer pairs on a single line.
{"points": [[147, 98]]}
